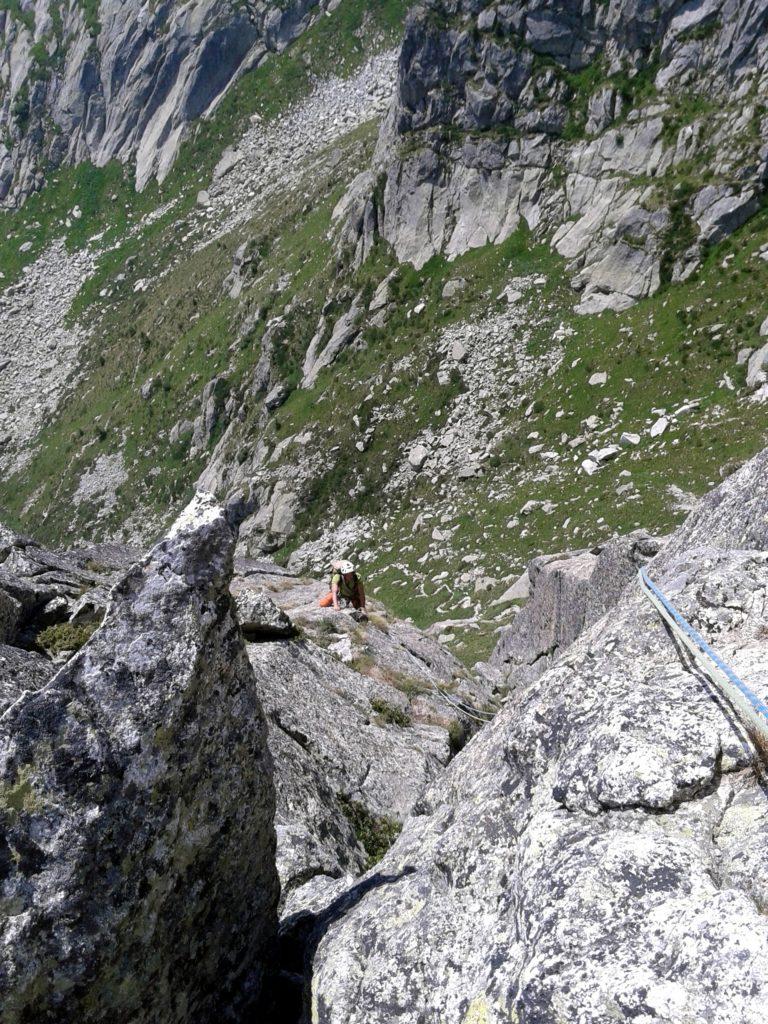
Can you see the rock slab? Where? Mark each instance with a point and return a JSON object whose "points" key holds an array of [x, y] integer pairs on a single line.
{"points": [[137, 847]]}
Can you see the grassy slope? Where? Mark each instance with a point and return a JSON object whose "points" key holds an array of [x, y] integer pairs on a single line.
{"points": [[658, 354], [663, 357], [179, 332], [105, 195]]}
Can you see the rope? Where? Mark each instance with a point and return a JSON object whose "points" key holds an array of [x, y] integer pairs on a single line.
{"points": [[473, 713], [752, 711]]}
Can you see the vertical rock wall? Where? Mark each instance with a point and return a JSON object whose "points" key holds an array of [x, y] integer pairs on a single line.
{"points": [[137, 846]]}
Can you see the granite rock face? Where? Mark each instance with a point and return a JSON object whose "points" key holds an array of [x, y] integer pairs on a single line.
{"points": [[355, 714], [137, 846], [565, 116], [569, 592], [39, 587], [123, 81], [21, 670], [598, 851]]}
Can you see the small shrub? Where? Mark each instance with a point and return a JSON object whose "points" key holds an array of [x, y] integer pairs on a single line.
{"points": [[407, 685], [65, 636], [458, 734], [375, 834], [93, 566], [392, 715]]}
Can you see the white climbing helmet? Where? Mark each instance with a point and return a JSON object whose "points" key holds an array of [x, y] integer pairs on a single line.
{"points": [[345, 566]]}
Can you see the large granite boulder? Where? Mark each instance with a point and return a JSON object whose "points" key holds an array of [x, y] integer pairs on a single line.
{"points": [[597, 853], [568, 592], [137, 847]]}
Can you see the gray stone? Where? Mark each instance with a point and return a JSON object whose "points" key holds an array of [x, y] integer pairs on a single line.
{"points": [[454, 287], [417, 456], [149, 747], [21, 671], [519, 591], [659, 426], [383, 294], [344, 332], [569, 592], [459, 352], [10, 614], [259, 616], [719, 213], [229, 158], [276, 397], [757, 367], [606, 454]]}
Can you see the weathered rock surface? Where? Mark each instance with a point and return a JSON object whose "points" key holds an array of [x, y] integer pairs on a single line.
{"points": [[515, 112], [21, 670], [353, 716], [569, 592], [122, 81], [259, 616], [136, 806], [597, 852], [40, 588]]}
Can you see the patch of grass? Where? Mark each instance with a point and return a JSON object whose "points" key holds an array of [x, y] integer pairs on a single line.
{"points": [[407, 684], [458, 734], [65, 636], [391, 714], [374, 833], [93, 566]]}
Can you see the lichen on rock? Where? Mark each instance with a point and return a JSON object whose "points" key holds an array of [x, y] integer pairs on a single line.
{"points": [[136, 806]]}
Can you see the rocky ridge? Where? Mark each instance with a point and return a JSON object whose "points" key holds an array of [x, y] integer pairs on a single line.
{"points": [[123, 81], [583, 122], [136, 796], [360, 714], [597, 850]]}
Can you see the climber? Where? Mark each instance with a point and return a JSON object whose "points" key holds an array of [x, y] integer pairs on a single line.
{"points": [[346, 585]]}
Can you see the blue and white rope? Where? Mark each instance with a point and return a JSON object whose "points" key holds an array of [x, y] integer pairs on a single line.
{"points": [[753, 709]]}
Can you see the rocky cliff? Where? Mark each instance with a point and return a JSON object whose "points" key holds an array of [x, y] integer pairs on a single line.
{"points": [[103, 81], [597, 852], [362, 716], [137, 803], [565, 594], [149, 746], [630, 135]]}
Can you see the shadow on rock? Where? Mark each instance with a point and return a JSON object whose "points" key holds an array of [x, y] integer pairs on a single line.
{"points": [[300, 935]]}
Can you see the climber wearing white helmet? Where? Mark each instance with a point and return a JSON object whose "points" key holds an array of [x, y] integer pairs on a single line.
{"points": [[346, 585]]}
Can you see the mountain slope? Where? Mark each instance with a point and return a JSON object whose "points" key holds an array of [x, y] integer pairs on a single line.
{"points": [[447, 424], [103, 81]]}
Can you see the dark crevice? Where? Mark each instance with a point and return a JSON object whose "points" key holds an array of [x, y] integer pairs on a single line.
{"points": [[295, 734], [289, 998]]}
